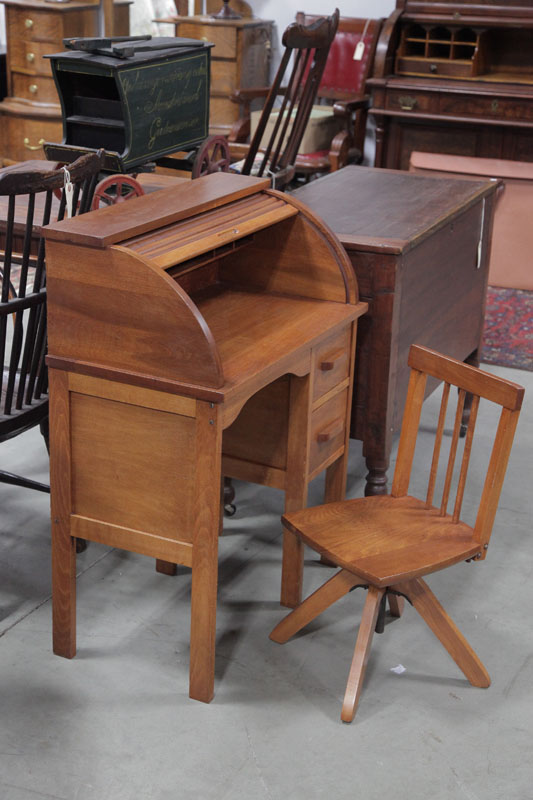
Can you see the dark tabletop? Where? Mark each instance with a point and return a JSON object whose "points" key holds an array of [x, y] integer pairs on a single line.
{"points": [[381, 209]]}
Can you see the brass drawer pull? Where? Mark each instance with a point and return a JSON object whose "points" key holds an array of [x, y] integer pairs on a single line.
{"points": [[33, 88], [407, 103], [330, 431], [30, 57], [28, 146], [28, 23]]}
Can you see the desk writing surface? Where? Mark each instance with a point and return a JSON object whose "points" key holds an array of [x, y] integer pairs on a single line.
{"points": [[386, 210], [255, 331]]}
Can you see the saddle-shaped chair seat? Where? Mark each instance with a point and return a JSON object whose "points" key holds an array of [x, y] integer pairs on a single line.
{"points": [[384, 539]]}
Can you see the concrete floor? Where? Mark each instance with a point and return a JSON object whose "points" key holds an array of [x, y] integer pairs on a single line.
{"points": [[115, 723]]}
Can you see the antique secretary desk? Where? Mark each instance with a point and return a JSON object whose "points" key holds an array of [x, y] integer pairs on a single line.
{"points": [[454, 76], [193, 333]]}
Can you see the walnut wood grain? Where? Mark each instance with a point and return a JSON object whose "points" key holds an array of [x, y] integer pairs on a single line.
{"points": [[412, 245], [479, 106]]}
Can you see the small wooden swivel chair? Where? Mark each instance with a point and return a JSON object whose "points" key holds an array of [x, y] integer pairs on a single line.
{"points": [[305, 55], [343, 87], [387, 543], [30, 199]]}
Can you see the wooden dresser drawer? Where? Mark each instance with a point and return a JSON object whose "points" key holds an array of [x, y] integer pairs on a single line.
{"points": [[28, 57], [224, 77], [24, 136], [331, 363], [407, 100], [222, 110], [328, 429], [28, 24], [36, 88], [224, 38]]}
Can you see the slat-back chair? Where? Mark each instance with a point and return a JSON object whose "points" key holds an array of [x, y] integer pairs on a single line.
{"points": [[349, 65], [387, 543], [30, 198], [304, 59]]}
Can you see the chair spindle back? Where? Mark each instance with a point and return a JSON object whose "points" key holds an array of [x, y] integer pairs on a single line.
{"points": [[23, 376], [309, 47], [469, 380]]}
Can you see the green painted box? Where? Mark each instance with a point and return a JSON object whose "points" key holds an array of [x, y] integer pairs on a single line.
{"points": [[137, 109]]}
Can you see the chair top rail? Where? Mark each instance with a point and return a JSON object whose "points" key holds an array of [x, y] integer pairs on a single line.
{"points": [[471, 379]]}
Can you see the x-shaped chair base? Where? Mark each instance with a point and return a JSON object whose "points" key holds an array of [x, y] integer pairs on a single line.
{"points": [[419, 595]]}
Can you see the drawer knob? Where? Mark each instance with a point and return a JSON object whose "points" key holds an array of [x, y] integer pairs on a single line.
{"points": [[433, 68], [330, 361], [28, 146], [30, 57], [28, 23], [407, 103], [330, 431], [33, 88]]}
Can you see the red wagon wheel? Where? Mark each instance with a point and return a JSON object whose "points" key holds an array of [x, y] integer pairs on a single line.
{"points": [[213, 156], [116, 189]]}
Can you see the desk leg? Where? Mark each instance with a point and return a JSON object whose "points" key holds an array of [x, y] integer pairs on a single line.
{"points": [[205, 551], [63, 544], [296, 487], [376, 480], [473, 360]]}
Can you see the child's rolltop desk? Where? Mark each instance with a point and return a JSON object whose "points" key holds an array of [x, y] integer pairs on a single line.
{"points": [[193, 333]]}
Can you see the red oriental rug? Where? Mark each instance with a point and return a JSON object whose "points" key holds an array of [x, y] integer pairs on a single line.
{"points": [[508, 334]]}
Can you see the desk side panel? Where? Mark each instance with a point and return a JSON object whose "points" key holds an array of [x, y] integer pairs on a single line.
{"points": [[443, 294], [112, 309], [132, 467]]}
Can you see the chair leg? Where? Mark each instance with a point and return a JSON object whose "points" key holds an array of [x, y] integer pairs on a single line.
{"points": [[396, 604], [361, 653], [331, 591], [44, 427], [445, 630]]}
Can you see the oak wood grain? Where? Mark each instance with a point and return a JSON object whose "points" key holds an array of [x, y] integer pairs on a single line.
{"points": [[391, 541], [63, 544]]}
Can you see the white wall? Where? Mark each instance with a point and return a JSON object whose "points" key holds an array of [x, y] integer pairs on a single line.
{"points": [[284, 11]]}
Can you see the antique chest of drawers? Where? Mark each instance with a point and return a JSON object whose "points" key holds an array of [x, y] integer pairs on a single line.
{"points": [[240, 59], [30, 113]]}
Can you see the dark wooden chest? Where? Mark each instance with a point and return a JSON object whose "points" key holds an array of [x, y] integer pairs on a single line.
{"points": [[420, 250]]}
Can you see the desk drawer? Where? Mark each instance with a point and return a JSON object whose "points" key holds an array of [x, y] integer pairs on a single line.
{"points": [[472, 105], [407, 100], [224, 38], [331, 363], [438, 67], [328, 429]]}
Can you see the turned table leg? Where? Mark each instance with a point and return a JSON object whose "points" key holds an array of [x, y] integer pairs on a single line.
{"points": [[376, 479]]}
